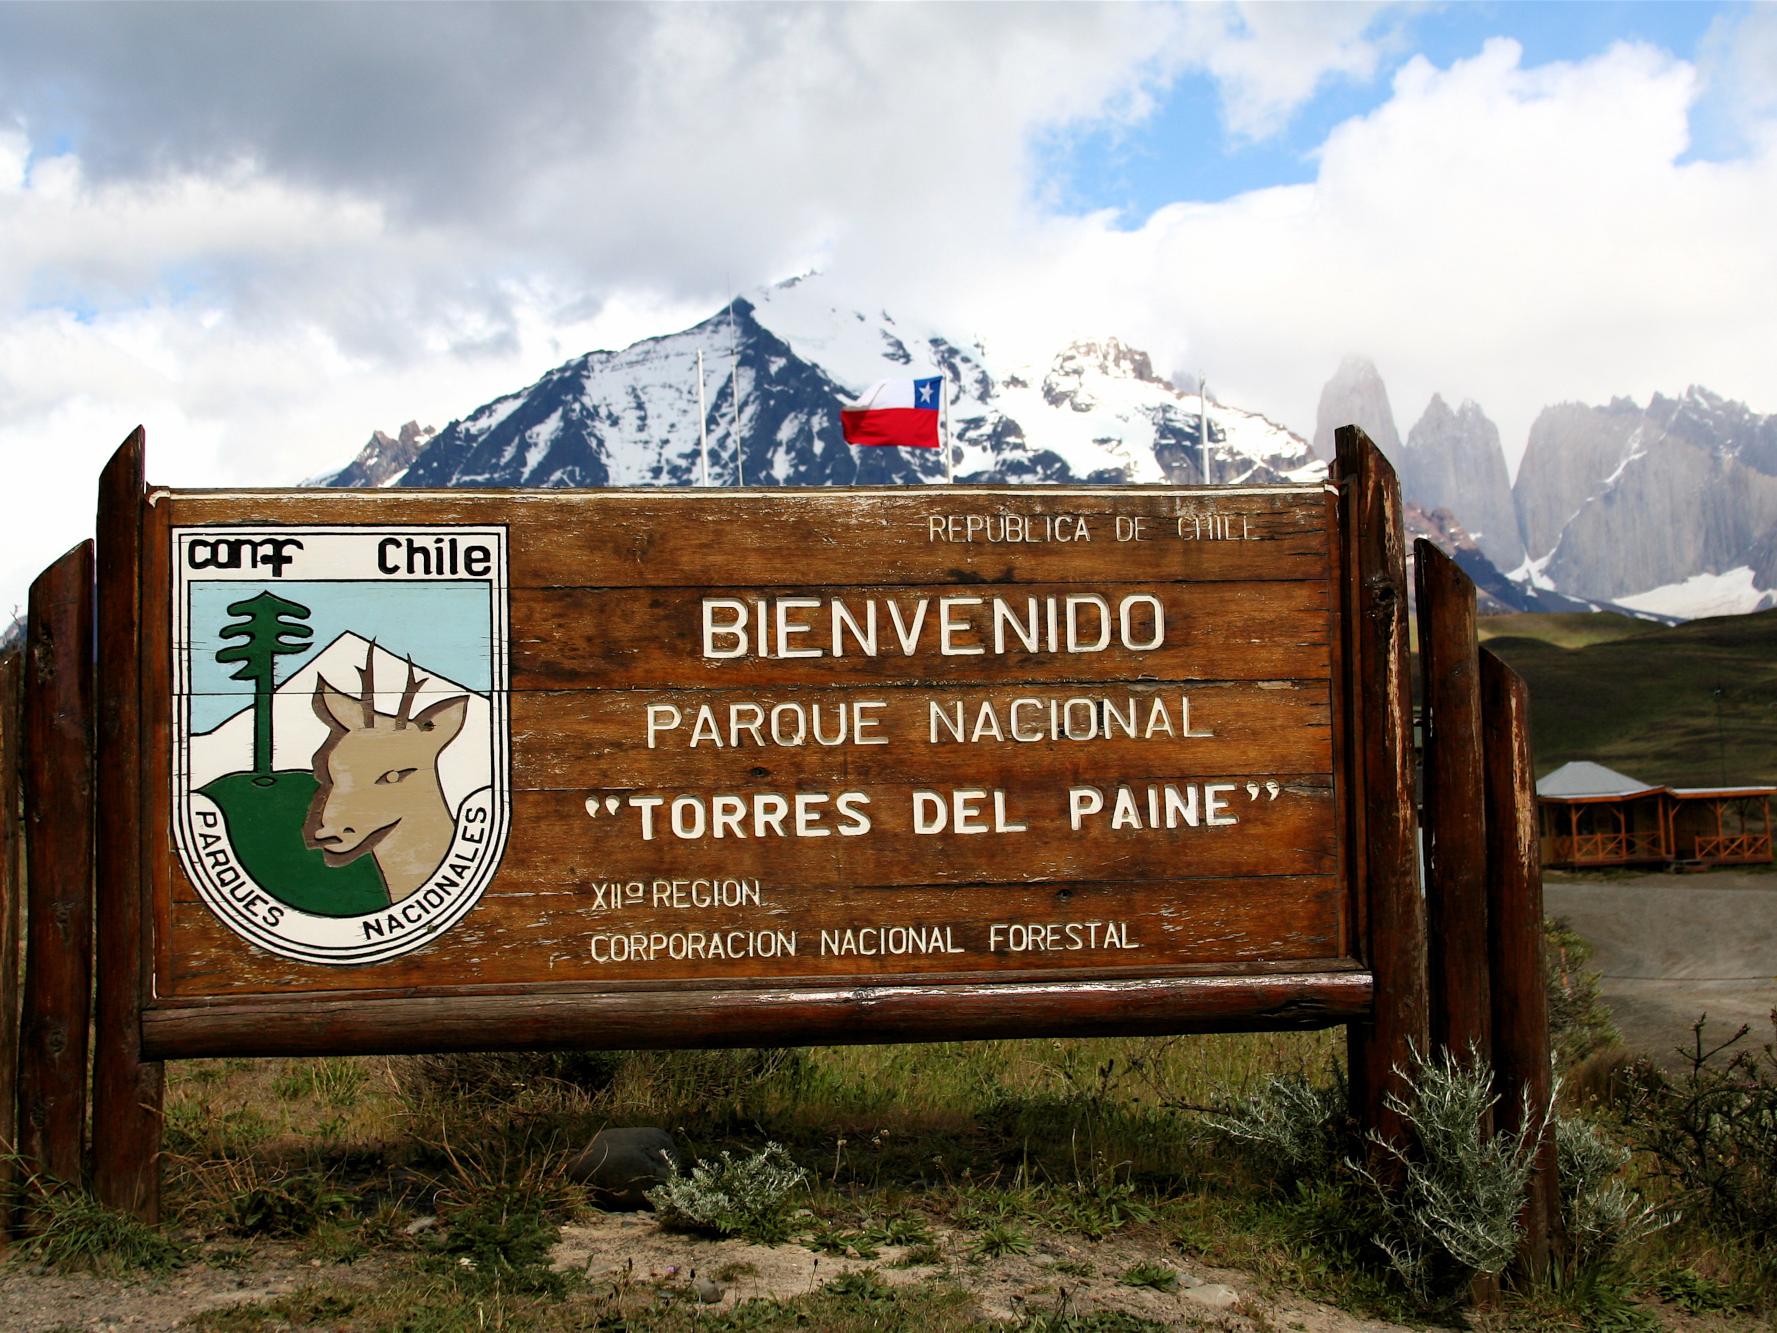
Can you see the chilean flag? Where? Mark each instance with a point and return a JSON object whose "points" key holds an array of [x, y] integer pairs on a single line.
{"points": [[895, 412]]}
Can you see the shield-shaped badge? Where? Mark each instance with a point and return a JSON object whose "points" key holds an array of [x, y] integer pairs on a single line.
{"points": [[340, 770]]}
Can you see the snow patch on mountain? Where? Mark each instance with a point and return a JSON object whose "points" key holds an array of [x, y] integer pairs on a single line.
{"points": [[1734, 592]]}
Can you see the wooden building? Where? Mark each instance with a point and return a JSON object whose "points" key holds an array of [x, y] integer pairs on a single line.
{"points": [[1590, 815]]}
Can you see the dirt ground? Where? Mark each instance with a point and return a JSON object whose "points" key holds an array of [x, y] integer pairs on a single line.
{"points": [[1060, 1274], [1671, 947]]}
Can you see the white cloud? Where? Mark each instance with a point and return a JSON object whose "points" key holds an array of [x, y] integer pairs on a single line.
{"points": [[1738, 60], [1270, 58], [265, 230], [1520, 236]]}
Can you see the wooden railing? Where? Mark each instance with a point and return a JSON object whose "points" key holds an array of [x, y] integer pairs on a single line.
{"points": [[1734, 847], [1603, 848]]}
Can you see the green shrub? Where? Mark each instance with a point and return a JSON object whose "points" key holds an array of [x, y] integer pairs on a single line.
{"points": [[1599, 1212], [501, 1235], [752, 1197], [285, 1203], [999, 1239], [1160, 1277], [1696, 1293], [1290, 1128], [1440, 1211], [1712, 1132], [70, 1230], [1455, 1214], [1579, 1022]]}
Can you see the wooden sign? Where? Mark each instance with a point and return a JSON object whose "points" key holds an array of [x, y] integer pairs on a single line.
{"points": [[398, 771], [473, 769]]}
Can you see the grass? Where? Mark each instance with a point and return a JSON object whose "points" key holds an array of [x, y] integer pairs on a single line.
{"points": [[1576, 629], [412, 1302], [1690, 705], [959, 1158]]}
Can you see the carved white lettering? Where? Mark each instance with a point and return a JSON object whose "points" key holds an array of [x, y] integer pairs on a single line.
{"points": [[964, 626]]}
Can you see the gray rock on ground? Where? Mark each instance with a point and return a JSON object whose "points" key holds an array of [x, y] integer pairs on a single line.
{"points": [[620, 1166], [1214, 1295]]}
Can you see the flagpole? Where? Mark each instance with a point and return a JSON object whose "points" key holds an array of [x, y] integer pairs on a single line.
{"points": [[1203, 423], [703, 426], [740, 462], [949, 465]]}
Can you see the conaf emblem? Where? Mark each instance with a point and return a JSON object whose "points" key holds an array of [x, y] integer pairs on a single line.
{"points": [[340, 759]]}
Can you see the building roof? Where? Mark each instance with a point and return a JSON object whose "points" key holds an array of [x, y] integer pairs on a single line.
{"points": [[1583, 780], [1705, 792]]}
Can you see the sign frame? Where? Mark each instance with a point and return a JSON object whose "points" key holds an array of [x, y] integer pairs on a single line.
{"points": [[620, 1014]]}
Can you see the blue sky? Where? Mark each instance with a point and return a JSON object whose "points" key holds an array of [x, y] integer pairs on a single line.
{"points": [[1183, 148], [263, 231]]}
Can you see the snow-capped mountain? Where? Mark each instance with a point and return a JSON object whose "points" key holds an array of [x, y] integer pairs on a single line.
{"points": [[1669, 508], [791, 353], [383, 458], [1667, 511]]}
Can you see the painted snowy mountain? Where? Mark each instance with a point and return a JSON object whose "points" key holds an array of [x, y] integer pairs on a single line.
{"points": [[1097, 412], [299, 732]]}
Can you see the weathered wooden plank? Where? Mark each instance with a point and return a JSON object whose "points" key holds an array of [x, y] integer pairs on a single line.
{"points": [[12, 890], [1519, 999], [1382, 1049], [785, 1016], [1455, 827], [664, 538], [127, 1091], [662, 929], [59, 852]]}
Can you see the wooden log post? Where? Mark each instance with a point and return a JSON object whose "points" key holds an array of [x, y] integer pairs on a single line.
{"points": [[1455, 830], [59, 868], [127, 1091], [1520, 1003], [1455, 833], [12, 888], [1381, 766]]}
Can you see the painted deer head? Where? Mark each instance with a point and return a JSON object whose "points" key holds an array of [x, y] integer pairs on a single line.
{"points": [[378, 775]]}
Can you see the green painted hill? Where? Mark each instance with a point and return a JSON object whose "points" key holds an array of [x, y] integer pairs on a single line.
{"points": [[1690, 705]]}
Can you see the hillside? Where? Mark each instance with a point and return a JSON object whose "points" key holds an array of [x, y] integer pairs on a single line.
{"points": [[1692, 704], [1578, 629]]}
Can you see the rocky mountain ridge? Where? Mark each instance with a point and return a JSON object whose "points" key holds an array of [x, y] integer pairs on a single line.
{"points": [[1667, 510], [778, 362], [383, 459]]}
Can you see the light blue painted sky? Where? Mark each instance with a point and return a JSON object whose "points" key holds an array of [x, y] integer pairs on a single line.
{"points": [[442, 625], [263, 231]]}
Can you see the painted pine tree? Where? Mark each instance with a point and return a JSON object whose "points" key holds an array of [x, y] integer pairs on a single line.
{"points": [[268, 628]]}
